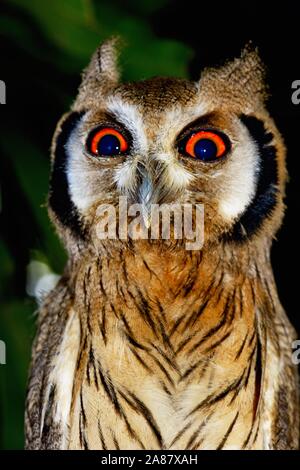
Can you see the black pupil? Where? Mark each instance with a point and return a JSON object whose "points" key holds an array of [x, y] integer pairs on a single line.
{"points": [[206, 149], [109, 145]]}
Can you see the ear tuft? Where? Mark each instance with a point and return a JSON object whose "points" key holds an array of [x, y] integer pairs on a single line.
{"points": [[103, 63], [239, 83], [251, 69], [101, 74]]}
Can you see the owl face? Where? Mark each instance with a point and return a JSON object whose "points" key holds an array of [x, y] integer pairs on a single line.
{"points": [[167, 141]]}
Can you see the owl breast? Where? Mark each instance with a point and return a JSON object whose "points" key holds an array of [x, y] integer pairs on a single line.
{"points": [[158, 372]]}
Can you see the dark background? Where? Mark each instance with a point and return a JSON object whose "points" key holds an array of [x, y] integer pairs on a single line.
{"points": [[43, 47]]}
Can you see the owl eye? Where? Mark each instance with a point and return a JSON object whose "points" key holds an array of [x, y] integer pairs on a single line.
{"points": [[107, 142], [207, 146]]}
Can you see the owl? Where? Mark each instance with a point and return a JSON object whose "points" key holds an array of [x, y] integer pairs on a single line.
{"points": [[143, 343]]}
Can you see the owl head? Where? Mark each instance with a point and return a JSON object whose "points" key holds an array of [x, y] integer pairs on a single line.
{"points": [[163, 141]]}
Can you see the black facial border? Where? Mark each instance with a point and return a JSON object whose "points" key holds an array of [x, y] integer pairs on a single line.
{"points": [[265, 197], [59, 196]]}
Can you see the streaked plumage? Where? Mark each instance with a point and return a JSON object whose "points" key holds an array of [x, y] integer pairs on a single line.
{"points": [[143, 344]]}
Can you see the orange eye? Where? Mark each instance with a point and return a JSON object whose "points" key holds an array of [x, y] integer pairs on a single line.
{"points": [[206, 146], [107, 142]]}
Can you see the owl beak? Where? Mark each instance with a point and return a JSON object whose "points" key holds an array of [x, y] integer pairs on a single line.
{"points": [[145, 194], [146, 219]]}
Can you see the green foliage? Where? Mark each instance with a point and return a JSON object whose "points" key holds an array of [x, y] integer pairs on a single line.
{"points": [[76, 27], [47, 43]]}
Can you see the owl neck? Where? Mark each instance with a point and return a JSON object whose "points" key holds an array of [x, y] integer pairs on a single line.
{"points": [[150, 287]]}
